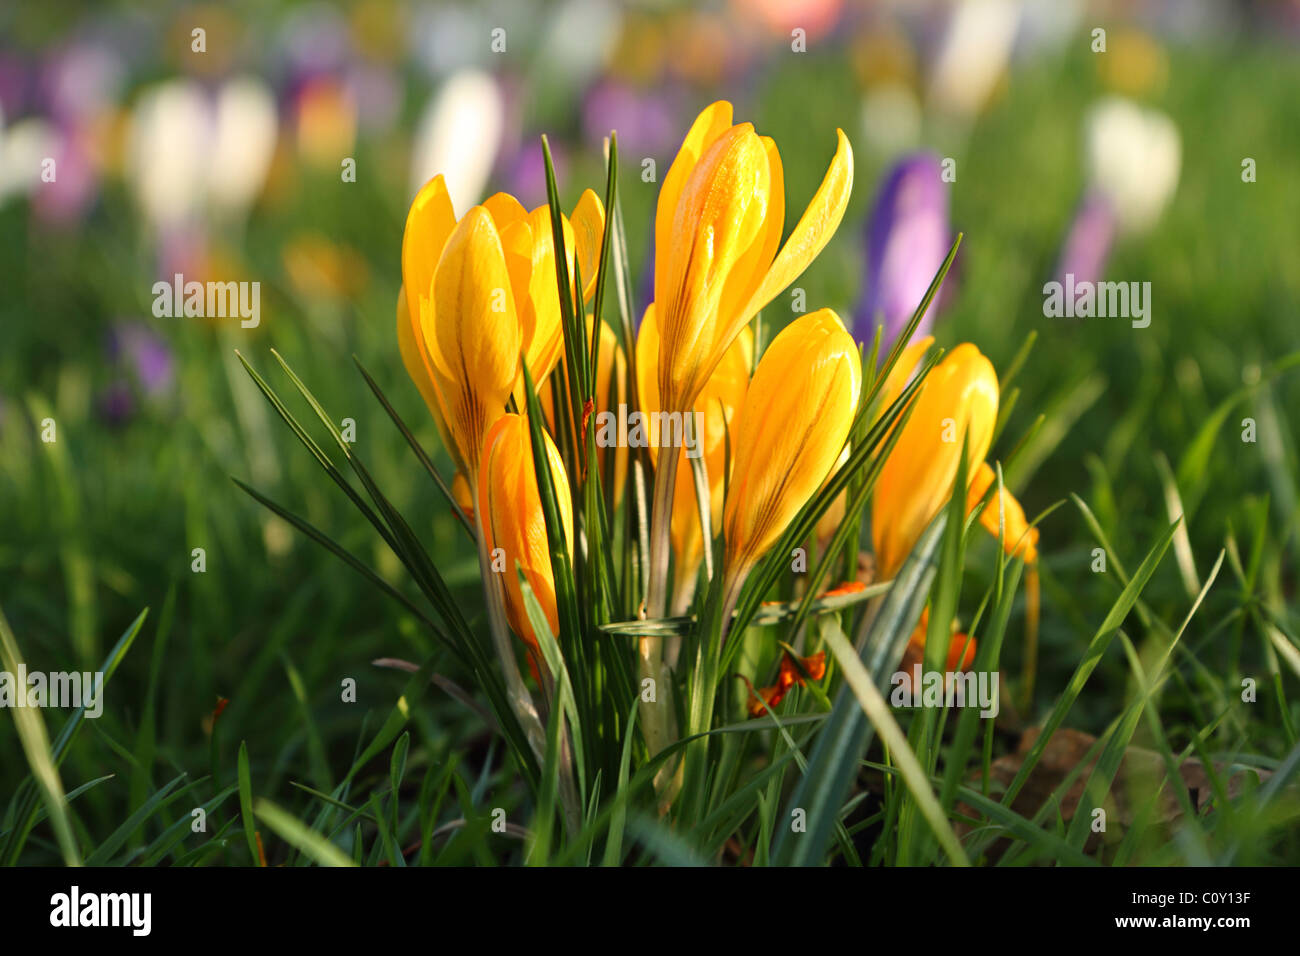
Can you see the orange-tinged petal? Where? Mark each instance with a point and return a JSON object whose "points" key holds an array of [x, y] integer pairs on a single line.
{"points": [[959, 398], [713, 121], [793, 672], [961, 649], [789, 432], [1017, 537], [513, 521], [428, 224], [770, 696], [790, 674], [720, 219]]}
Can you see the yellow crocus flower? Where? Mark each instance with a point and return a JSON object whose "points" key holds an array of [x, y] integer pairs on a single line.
{"points": [[959, 398], [789, 433], [718, 226], [502, 302], [1019, 540]]}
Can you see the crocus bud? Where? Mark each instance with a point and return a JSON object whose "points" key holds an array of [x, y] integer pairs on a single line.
{"points": [[718, 225], [789, 432], [513, 522], [1018, 539], [907, 240], [958, 400], [501, 301]]}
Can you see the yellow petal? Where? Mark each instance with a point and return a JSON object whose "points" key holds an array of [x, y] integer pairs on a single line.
{"points": [[1017, 537], [789, 432], [475, 330], [719, 224], [713, 121], [958, 398], [428, 224], [814, 230], [511, 512], [504, 210], [753, 267], [540, 325], [588, 221]]}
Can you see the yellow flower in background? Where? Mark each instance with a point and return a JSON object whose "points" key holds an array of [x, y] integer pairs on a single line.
{"points": [[503, 301], [320, 270], [718, 225], [959, 399], [611, 373], [511, 511], [789, 432], [716, 406], [1019, 540], [326, 121]]}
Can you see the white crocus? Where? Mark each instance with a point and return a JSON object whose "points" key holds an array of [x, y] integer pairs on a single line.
{"points": [[459, 136], [167, 151], [24, 148], [243, 145], [1133, 156], [189, 155]]}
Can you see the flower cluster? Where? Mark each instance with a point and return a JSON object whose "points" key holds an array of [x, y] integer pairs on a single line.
{"points": [[482, 313]]}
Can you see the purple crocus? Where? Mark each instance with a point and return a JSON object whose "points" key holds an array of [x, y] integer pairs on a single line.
{"points": [[116, 404], [146, 354], [1087, 244], [908, 237], [648, 123], [525, 172]]}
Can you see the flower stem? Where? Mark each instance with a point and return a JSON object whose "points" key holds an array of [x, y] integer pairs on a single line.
{"points": [[521, 701], [658, 722]]}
